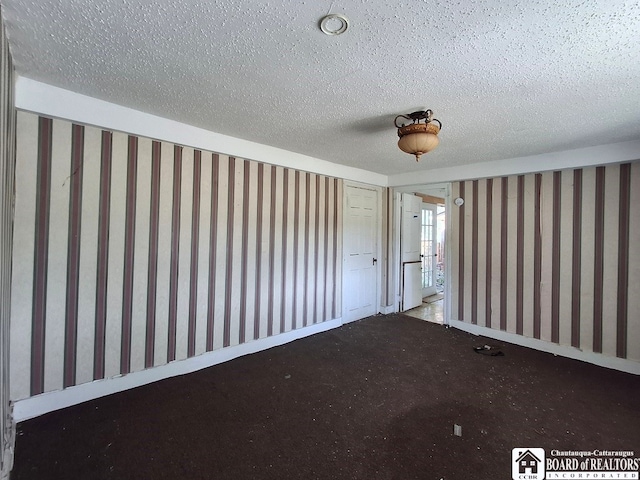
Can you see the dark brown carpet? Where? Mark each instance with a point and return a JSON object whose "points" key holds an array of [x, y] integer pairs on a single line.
{"points": [[376, 399]]}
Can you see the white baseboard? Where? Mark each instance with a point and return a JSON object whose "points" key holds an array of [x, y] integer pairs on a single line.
{"points": [[388, 309], [47, 402], [621, 364]]}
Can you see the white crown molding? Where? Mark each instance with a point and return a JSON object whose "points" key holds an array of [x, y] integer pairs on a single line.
{"points": [[44, 99], [48, 402], [578, 158]]}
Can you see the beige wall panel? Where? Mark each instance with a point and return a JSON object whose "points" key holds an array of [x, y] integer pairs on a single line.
{"points": [[587, 260], [512, 252], [496, 253], [57, 257], [277, 250], [330, 258], [453, 219], [141, 256], [482, 251], [546, 286], [340, 240], [184, 262], [203, 253], [320, 254], [289, 286], [264, 267], [301, 280], [251, 252], [468, 257], [88, 254], [221, 253], [633, 311], [311, 281], [113, 328], [566, 256], [528, 249], [23, 251], [610, 264], [164, 254], [236, 278]]}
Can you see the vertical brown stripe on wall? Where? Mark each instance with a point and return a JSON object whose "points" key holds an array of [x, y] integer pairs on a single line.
{"points": [[246, 186], [285, 213], [226, 333], [103, 255], [272, 241], [520, 258], [175, 253], [41, 253], [326, 247], [305, 299], [73, 255], [537, 257], [296, 230], [334, 295], [555, 258], [259, 282], [504, 238], [576, 258], [489, 248], [623, 259], [152, 280], [474, 253], [213, 240], [316, 240], [598, 285], [195, 236], [129, 242], [461, 257]]}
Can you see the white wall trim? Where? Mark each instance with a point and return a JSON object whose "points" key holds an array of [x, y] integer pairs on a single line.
{"points": [[48, 402], [48, 100], [578, 158], [628, 366], [9, 448]]}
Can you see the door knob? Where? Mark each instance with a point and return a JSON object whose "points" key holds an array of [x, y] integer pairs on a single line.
{"points": [[375, 260]]}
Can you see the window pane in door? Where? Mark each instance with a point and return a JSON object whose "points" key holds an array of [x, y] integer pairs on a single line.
{"points": [[427, 248]]}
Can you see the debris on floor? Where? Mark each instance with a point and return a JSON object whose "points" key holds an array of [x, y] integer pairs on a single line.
{"points": [[488, 350]]}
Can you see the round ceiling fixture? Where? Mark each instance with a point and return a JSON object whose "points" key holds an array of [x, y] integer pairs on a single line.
{"points": [[334, 24], [418, 138]]}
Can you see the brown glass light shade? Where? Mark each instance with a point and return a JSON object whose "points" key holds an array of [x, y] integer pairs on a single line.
{"points": [[418, 138]]}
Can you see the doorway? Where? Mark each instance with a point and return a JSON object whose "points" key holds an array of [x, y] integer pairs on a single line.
{"points": [[431, 233], [360, 286]]}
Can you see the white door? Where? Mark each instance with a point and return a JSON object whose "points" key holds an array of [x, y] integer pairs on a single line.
{"points": [[410, 248], [429, 242], [360, 247]]}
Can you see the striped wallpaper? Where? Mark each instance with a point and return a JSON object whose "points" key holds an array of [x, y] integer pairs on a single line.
{"points": [[132, 253], [552, 256], [7, 166]]}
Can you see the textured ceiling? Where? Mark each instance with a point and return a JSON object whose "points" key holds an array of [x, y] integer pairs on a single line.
{"points": [[506, 78]]}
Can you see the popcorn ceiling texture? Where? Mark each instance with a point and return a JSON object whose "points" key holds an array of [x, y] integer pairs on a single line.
{"points": [[506, 78]]}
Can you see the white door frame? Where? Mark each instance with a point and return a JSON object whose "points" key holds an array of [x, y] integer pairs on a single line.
{"points": [[397, 261], [378, 231]]}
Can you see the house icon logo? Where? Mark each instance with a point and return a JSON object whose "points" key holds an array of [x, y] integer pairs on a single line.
{"points": [[527, 464]]}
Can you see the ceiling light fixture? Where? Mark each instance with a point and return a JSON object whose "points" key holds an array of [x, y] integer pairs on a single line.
{"points": [[334, 24], [418, 138]]}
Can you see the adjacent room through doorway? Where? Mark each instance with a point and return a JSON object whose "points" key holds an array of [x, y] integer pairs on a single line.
{"points": [[432, 253]]}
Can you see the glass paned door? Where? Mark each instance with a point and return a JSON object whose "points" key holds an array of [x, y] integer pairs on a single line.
{"points": [[428, 248]]}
